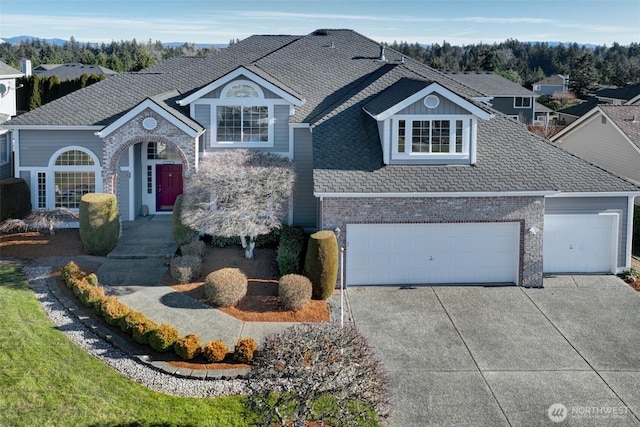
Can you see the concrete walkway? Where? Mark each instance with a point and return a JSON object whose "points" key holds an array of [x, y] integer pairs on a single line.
{"points": [[133, 271], [502, 356]]}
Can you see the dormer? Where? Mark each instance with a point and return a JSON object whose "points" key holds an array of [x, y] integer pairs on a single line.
{"points": [[242, 108], [421, 122]]}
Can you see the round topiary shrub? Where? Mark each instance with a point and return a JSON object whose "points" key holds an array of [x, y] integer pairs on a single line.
{"points": [[215, 351], [225, 287], [321, 263], [99, 221], [184, 269], [294, 291], [188, 347], [244, 350], [163, 337], [195, 248], [142, 331], [131, 320]]}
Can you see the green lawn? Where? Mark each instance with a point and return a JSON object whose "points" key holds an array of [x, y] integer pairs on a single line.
{"points": [[46, 380]]}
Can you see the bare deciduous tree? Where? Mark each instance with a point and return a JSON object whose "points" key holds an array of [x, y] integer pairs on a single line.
{"points": [[317, 372], [239, 193]]}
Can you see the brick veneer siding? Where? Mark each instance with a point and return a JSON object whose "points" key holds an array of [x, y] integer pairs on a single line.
{"points": [[528, 211], [131, 133]]}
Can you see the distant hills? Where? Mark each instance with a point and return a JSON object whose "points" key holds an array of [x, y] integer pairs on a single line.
{"points": [[61, 42]]}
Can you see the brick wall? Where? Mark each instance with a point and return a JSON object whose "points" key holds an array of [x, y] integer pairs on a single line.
{"points": [[131, 133], [528, 211]]}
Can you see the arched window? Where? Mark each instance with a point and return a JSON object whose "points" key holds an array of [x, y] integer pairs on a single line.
{"points": [[244, 115], [75, 173]]}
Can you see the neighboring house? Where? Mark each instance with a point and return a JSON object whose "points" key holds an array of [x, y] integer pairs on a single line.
{"points": [[607, 136], [502, 94], [8, 87], [627, 95], [425, 182], [71, 71], [551, 85], [542, 114]]}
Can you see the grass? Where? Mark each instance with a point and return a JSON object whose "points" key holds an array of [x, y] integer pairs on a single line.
{"points": [[46, 380]]}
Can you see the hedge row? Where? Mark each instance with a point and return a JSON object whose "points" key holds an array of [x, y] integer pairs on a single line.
{"points": [[144, 331]]}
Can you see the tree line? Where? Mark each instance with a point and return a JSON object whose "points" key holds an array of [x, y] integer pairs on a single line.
{"points": [[527, 63], [122, 56]]}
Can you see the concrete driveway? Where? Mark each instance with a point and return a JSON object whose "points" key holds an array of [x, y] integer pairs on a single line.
{"points": [[499, 356]]}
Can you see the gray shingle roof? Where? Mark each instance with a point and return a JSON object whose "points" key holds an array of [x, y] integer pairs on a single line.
{"points": [[338, 74], [490, 84], [582, 108], [626, 92], [7, 70], [74, 70], [627, 118]]}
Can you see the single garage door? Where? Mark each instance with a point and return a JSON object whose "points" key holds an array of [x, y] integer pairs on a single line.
{"points": [[580, 243], [395, 254]]}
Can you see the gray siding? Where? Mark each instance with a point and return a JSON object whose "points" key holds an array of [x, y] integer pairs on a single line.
{"points": [[604, 146], [305, 205], [202, 114], [37, 146], [578, 205], [445, 107], [505, 106]]}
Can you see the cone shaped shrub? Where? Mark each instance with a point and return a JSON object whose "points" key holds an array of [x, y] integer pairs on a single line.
{"points": [[321, 263], [163, 337], [294, 291], [188, 347], [99, 223], [225, 287], [215, 351]]}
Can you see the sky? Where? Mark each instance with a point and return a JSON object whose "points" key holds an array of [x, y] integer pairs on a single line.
{"points": [[459, 22]]}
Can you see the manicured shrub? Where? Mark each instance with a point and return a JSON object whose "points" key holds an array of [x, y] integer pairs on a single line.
{"points": [[244, 350], [69, 271], [15, 199], [91, 295], [181, 233], [78, 286], [321, 263], [183, 269], [113, 310], [294, 291], [291, 249], [92, 279], [194, 248], [188, 347], [225, 287], [220, 241], [99, 223], [163, 337], [215, 351], [142, 331], [131, 320]]}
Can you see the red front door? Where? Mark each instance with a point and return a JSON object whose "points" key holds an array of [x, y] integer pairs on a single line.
{"points": [[168, 186]]}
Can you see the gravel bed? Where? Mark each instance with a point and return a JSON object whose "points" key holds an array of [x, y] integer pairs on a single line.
{"points": [[77, 332]]}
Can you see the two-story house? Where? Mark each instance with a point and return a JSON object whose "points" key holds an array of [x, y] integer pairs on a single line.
{"points": [[427, 183]]}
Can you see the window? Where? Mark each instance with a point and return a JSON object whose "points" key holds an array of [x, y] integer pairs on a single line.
{"points": [[161, 151], [441, 137], [522, 102], [42, 190], [74, 176], [243, 117]]}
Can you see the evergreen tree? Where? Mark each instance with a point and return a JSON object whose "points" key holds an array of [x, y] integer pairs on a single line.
{"points": [[35, 100], [582, 76]]}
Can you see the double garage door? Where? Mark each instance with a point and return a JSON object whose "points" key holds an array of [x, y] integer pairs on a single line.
{"points": [[391, 254]]}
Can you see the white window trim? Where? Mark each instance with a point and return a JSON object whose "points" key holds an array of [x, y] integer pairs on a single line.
{"points": [[467, 126], [515, 98], [53, 168]]}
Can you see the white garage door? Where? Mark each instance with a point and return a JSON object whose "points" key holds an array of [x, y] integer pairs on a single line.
{"points": [[392, 254], [580, 243]]}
